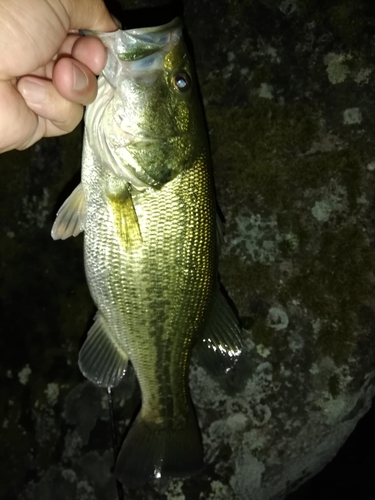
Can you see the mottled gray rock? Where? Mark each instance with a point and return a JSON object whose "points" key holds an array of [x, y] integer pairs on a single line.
{"points": [[288, 90]]}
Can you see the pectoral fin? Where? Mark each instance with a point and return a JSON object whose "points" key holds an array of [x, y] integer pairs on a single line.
{"points": [[221, 343], [70, 219], [126, 220], [100, 359]]}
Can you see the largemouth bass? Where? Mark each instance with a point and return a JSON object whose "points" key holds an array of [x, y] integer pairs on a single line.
{"points": [[146, 205]]}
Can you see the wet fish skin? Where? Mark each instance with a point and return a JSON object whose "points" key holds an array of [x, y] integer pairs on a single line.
{"points": [[147, 208]]}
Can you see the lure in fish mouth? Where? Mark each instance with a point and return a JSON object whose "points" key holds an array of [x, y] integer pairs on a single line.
{"points": [[146, 206]]}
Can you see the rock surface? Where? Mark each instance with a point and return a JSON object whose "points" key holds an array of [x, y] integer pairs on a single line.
{"points": [[288, 91]]}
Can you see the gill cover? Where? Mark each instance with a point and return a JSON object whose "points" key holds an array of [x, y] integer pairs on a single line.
{"points": [[134, 56]]}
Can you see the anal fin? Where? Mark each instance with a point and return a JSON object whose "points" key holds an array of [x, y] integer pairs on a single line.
{"points": [[70, 219], [221, 343], [100, 360]]}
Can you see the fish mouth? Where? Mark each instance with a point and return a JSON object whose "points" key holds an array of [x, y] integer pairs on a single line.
{"points": [[138, 52]]}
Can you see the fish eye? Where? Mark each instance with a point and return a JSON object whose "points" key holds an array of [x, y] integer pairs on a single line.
{"points": [[181, 81]]}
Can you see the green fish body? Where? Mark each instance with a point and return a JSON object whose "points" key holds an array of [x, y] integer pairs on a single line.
{"points": [[146, 205]]}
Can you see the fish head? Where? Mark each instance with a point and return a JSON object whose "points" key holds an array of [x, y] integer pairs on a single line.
{"points": [[146, 123]]}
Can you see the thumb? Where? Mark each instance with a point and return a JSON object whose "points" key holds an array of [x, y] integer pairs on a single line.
{"points": [[89, 14]]}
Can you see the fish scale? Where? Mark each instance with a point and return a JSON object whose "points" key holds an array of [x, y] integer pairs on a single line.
{"points": [[172, 241]]}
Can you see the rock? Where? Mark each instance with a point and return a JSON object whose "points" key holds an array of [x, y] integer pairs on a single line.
{"points": [[287, 91]]}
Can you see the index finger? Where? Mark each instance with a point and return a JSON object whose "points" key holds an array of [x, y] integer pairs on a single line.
{"points": [[20, 122]]}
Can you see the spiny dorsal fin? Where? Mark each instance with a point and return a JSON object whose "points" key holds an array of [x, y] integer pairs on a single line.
{"points": [[70, 219]]}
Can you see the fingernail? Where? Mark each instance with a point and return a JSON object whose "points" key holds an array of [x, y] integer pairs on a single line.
{"points": [[116, 21], [80, 79], [33, 92]]}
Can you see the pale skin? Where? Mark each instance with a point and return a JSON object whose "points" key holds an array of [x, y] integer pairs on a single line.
{"points": [[47, 71]]}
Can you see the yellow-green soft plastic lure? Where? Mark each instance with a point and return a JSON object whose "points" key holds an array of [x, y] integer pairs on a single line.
{"points": [[146, 205]]}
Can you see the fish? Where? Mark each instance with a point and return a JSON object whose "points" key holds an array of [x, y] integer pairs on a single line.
{"points": [[146, 204]]}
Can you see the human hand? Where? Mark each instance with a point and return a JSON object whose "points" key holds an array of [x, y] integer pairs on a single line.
{"points": [[47, 71]]}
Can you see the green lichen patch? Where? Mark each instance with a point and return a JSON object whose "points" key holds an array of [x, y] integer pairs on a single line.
{"points": [[344, 18], [355, 65], [343, 166], [334, 283], [266, 152], [256, 277], [214, 87], [259, 144]]}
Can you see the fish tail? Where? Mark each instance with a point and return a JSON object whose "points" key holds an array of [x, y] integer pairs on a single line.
{"points": [[151, 451]]}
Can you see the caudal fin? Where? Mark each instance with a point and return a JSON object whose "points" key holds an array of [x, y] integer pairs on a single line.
{"points": [[150, 452]]}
